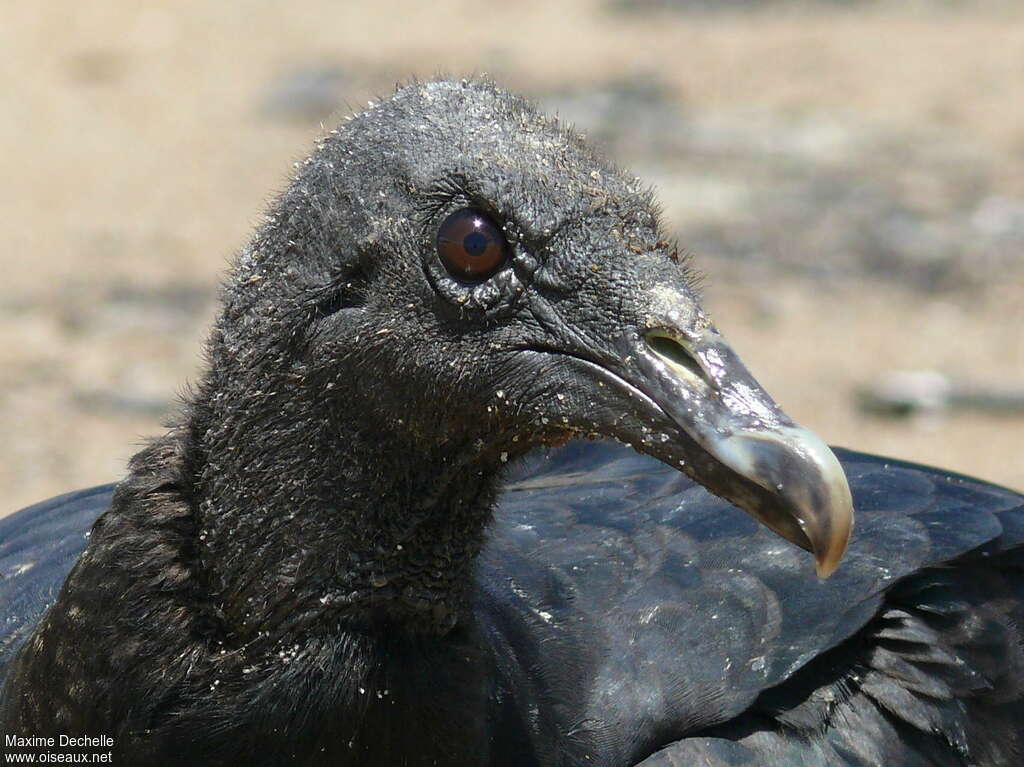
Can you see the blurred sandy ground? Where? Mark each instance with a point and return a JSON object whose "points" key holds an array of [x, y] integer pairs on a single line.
{"points": [[849, 175]]}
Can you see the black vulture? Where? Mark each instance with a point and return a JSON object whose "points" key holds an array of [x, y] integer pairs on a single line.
{"points": [[381, 531]]}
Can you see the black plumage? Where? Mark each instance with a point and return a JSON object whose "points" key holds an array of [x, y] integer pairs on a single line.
{"points": [[357, 547]]}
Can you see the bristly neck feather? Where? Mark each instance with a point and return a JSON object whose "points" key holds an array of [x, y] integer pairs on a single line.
{"points": [[310, 510]]}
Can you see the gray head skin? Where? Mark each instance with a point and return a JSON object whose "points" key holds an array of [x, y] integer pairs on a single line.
{"points": [[361, 402]]}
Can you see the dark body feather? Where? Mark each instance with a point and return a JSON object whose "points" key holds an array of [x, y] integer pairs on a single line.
{"points": [[622, 615]]}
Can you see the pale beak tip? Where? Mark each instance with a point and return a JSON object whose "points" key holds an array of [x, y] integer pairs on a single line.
{"points": [[815, 506], [828, 555], [826, 565]]}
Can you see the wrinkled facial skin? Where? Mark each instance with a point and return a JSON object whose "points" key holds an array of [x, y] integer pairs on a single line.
{"points": [[591, 327]]}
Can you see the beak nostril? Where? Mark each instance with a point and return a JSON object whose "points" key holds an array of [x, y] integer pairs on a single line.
{"points": [[673, 352]]}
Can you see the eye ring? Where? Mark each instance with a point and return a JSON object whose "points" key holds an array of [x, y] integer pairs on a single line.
{"points": [[471, 245]]}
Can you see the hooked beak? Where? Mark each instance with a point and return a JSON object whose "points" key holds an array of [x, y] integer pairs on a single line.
{"points": [[778, 472]]}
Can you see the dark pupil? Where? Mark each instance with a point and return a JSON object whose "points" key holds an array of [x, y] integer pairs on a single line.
{"points": [[475, 244]]}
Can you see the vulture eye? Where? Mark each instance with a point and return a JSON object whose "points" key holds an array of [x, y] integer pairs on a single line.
{"points": [[471, 245]]}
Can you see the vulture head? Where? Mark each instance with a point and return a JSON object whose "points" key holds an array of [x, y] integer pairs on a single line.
{"points": [[451, 280]]}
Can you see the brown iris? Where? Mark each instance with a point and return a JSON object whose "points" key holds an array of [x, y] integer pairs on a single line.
{"points": [[471, 245]]}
